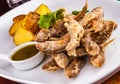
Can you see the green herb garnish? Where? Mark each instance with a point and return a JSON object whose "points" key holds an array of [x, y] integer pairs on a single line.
{"points": [[87, 11], [47, 20], [75, 12]]}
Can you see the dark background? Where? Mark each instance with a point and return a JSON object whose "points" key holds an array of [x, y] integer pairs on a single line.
{"points": [[3, 7]]}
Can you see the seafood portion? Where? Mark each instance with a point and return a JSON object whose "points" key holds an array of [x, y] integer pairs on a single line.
{"points": [[93, 14], [91, 47], [74, 67], [69, 40], [53, 46], [102, 36], [75, 31], [51, 65], [61, 59]]}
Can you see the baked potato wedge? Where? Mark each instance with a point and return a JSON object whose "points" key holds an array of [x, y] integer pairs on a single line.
{"points": [[15, 26], [25, 27], [17, 21], [18, 18], [22, 35], [30, 22], [42, 9]]}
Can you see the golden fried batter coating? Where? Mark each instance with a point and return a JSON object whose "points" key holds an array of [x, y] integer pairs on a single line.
{"points": [[61, 59], [74, 67], [50, 66], [76, 32], [91, 47], [97, 60]]}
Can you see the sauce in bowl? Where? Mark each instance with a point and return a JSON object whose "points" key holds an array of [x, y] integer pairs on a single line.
{"points": [[24, 57], [24, 53]]}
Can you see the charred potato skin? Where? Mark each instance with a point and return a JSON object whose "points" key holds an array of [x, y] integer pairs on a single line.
{"points": [[18, 18], [30, 22]]}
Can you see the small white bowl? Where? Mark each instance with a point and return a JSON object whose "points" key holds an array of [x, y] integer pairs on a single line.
{"points": [[27, 63]]}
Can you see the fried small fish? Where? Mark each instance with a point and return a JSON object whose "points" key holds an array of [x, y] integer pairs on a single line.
{"points": [[74, 67], [61, 59], [50, 66]]}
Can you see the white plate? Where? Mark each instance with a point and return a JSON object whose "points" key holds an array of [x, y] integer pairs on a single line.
{"points": [[88, 74]]}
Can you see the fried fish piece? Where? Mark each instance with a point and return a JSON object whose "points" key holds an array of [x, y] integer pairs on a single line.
{"points": [[42, 35], [102, 36], [91, 47], [53, 46], [81, 52], [75, 31], [74, 67], [82, 13], [50, 66], [97, 60], [59, 27], [61, 59], [46, 34], [95, 13], [96, 25]]}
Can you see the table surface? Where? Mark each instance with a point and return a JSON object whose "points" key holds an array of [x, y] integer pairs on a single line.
{"points": [[115, 79]]}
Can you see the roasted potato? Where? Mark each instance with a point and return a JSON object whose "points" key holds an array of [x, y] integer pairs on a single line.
{"points": [[30, 22], [18, 18], [17, 21], [22, 35], [25, 27], [42, 9], [15, 26]]}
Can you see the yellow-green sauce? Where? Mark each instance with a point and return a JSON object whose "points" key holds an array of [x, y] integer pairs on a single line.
{"points": [[24, 53]]}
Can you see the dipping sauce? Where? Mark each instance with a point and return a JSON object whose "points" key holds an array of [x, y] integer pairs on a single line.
{"points": [[25, 53]]}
